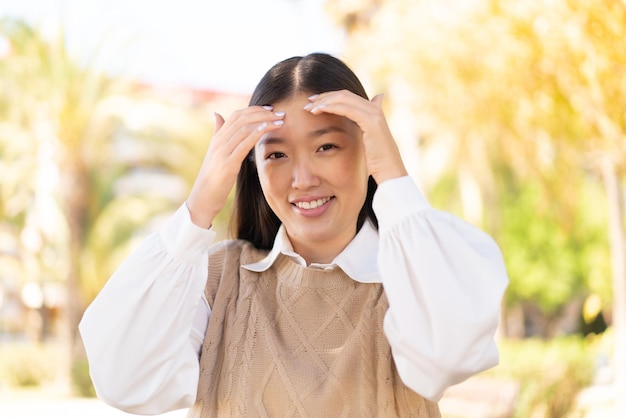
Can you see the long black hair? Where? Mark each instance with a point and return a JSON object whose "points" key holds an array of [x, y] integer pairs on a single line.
{"points": [[253, 220]]}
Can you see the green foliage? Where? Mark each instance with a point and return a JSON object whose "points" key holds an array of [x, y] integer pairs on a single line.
{"points": [[533, 95], [551, 261], [444, 194], [550, 373], [554, 252], [81, 381]]}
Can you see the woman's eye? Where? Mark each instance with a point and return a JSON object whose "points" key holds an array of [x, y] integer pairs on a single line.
{"points": [[275, 155], [327, 147]]}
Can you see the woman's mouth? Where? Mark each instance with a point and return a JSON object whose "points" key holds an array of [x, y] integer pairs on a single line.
{"points": [[312, 204], [312, 208]]}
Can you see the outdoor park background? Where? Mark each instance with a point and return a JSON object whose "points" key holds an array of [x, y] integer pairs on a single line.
{"points": [[510, 114]]}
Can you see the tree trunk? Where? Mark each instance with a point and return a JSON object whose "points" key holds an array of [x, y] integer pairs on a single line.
{"points": [[74, 196], [405, 130], [618, 262]]}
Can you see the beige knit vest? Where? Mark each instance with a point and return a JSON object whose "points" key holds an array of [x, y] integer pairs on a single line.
{"points": [[296, 342]]}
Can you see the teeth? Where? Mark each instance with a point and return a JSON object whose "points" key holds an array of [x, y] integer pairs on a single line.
{"points": [[312, 204]]}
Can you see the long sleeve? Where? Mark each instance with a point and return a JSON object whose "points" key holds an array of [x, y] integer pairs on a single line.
{"points": [[143, 332], [444, 280]]}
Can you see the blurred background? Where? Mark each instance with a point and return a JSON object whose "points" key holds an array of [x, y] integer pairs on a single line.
{"points": [[510, 114]]}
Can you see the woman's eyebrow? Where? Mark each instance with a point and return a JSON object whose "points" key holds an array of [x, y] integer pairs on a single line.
{"points": [[269, 140], [328, 129]]}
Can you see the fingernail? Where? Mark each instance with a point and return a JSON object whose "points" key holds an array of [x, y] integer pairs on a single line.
{"points": [[319, 106], [267, 107], [279, 122], [308, 106], [279, 114], [262, 126], [314, 96]]}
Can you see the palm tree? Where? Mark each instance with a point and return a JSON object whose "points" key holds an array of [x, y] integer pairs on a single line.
{"points": [[94, 134]]}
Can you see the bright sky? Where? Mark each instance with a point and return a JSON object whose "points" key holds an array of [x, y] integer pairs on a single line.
{"points": [[215, 44]]}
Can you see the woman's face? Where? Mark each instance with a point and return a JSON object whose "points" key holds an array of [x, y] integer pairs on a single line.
{"points": [[313, 175]]}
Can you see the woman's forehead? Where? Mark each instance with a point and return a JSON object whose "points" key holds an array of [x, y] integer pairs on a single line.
{"points": [[295, 112]]}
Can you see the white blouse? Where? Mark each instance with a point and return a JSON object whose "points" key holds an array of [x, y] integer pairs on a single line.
{"points": [[444, 280]]}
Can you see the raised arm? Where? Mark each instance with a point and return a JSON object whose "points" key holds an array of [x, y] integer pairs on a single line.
{"points": [[143, 331], [444, 278]]}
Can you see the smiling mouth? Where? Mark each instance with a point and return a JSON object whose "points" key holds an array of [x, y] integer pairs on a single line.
{"points": [[312, 204]]}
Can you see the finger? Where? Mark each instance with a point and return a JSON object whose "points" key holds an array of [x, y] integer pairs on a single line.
{"points": [[378, 99], [246, 121], [255, 116], [256, 127], [341, 95], [336, 102], [219, 122], [359, 111], [249, 137]]}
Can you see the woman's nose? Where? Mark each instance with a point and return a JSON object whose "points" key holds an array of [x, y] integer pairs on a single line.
{"points": [[304, 175]]}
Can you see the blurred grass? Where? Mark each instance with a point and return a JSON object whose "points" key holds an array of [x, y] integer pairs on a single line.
{"points": [[28, 365], [550, 372]]}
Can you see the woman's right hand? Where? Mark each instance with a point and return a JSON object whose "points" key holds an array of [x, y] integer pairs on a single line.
{"points": [[232, 141]]}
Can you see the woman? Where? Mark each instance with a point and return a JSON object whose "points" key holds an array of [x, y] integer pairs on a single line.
{"points": [[344, 294]]}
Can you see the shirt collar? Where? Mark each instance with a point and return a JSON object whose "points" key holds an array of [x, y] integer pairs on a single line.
{"points": [[359, 260]]}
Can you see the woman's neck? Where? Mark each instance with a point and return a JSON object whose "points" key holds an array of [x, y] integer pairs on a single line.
{"points": [[318, 252]]}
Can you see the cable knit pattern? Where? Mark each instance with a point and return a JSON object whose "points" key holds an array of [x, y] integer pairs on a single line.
{"points": [[296, 342]]}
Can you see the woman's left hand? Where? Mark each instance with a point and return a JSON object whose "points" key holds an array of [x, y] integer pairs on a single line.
{"points": [[381, 151]]}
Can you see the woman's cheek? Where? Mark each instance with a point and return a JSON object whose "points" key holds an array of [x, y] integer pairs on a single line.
{"points": [[352, 166], [271, 175]]}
